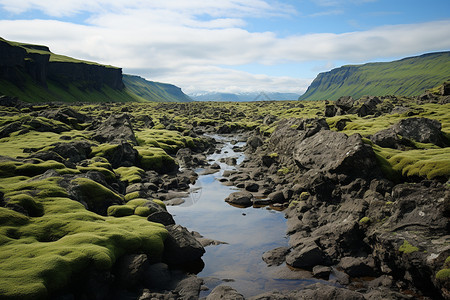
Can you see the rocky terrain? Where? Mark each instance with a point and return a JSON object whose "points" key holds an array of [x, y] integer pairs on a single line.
{"points": [[363, 184]]}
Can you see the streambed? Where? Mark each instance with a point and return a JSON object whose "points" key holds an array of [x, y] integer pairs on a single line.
{"points": [[248, 232]]}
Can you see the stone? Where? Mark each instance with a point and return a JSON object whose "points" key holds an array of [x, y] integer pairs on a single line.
{"points": [[181, 247], [276, 256], [130, 269], [422, 130], [357, 266], [306, 256], [345, 103], [254, 142], [277, 197], [116, 129], [386, 138], [161, 217], [225, 293], [321, 272], [335, 152], [240, 199]]}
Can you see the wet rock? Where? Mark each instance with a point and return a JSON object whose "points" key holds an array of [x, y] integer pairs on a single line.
{"points": [[276, 256], [277, 197], [181, 246], [224, 292], [251, 186], [158, 277], [240, 199], [116, 130]]}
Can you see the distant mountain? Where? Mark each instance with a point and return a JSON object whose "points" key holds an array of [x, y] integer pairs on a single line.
{"points": [[256, 96], [154, 91], [406, 77], [34, 74]]}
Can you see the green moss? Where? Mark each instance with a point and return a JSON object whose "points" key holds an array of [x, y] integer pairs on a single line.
{"points": [[131, 196], [443, 275], [157, 159], [39, 255], [407, 248], [284, 171], [130, 174], [143, 211], [120, 210], [27, 202], [364, 220], [273, 155], [94, 193], [304, 196]]}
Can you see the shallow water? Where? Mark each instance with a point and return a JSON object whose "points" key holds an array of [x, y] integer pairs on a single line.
{"points": [[248, 232]]}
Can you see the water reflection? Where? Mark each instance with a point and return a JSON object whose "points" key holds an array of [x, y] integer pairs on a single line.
{"points": [[249, 233]]}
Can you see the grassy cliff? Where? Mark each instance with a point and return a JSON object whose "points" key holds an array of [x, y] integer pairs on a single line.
{"points": [[406, 77], [34, 74]]}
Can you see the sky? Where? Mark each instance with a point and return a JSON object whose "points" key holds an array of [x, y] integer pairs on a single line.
{"points": [[231, 46]]}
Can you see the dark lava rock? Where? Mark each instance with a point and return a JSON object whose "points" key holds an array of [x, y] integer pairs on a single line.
{"points": [[116, 130], [162, 217], [386, 138], [306, 256], [130, 269], [422, 130], [240, 199], [357, 266], [73, 151], [181, 247], [336, 152], [330, 111], [123, 155], [345, 103]]}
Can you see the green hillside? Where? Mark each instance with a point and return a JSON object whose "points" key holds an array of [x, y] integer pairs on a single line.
{"points": [[153, 91], [407, 77]]}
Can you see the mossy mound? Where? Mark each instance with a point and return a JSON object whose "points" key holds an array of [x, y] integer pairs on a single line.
{"points": [[38, 255], [157, 159]]}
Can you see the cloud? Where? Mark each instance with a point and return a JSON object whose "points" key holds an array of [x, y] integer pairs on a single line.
{"points": [[195, 44]]}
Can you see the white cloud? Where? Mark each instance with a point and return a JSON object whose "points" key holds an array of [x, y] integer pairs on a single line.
{"points": [[195, 44]]}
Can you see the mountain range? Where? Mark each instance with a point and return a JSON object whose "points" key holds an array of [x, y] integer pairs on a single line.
{"points": [[241, 97]]}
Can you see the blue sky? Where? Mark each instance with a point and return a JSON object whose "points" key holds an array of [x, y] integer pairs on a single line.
{"points": [[230, 45]]}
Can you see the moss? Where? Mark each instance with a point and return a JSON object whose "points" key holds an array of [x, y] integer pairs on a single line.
{"points": [[120, 210], [39, 255], [160, 203], [130, 174], [131, 196], [95, 194], [273, 155], [364, 220], [407, 248], [284, 171], [143, 211], [27, 202], [443, 275], [157, 159], [304, 196]]}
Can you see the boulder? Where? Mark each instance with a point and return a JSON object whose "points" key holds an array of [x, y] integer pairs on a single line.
{"points": [[357, 266], [181, 247], [422, 130], [73, 151], [335, 152], [330, 111], [123, 155], [162, 217], [321, 272], [306, 256], [116, 129], [254, 142], [386, 138], [240, 199], [345, 103]]}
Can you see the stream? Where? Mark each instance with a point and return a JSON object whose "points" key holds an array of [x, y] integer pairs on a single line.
{"points": [[248, 232]]}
